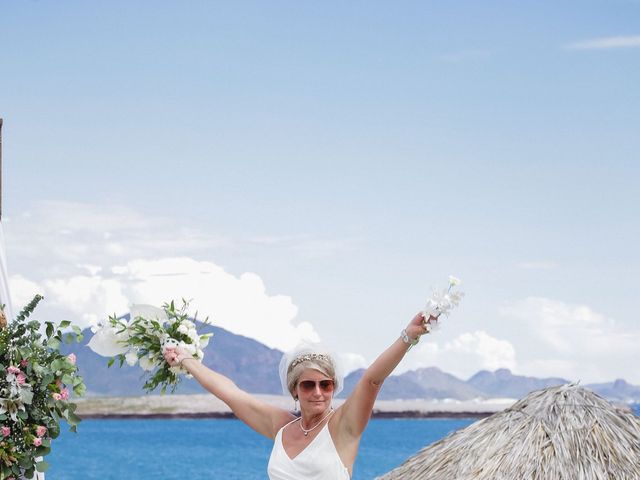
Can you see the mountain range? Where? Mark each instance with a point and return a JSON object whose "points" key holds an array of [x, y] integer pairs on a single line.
{"points": [[254, 367]]}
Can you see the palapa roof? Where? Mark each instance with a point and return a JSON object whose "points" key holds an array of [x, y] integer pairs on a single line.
{"points": [[558, 433]]}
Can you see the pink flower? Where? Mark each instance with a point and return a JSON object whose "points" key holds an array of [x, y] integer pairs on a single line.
{"points": [[41, 431], [14, 370], [21, 379], [37, 441], [6, 431], [24, 362], [72, 358], [64, 394], [56, 396]]}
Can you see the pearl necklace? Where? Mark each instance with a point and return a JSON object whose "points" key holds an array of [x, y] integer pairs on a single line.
{"points": [[306, 431]]}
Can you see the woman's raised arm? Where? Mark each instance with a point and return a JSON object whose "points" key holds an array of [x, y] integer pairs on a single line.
{"points": [[263, 418], [356, 410]]}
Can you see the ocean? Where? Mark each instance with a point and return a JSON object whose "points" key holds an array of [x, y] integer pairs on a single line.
{"points": [[215, 449], [206, 449]]}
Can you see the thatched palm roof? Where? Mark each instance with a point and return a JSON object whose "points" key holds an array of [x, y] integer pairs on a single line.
{"points": [[559, 433]]}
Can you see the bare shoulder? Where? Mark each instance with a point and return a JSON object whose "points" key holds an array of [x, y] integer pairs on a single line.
{"points": [[280, 418]]}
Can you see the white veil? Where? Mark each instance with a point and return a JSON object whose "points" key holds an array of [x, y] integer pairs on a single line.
{"points": [[305, 348]]}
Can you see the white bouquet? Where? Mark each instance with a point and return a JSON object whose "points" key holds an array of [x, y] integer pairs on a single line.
{"points": [[442, 301], [145, 337]]}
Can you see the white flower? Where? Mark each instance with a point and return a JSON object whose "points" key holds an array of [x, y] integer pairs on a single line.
{"points": [[183, 329], [147, 363], [108, 342], [188, 347], [193, 335], [200, 354], [131, 357], [204, 340], [442, 301], [189, 324], [148, 312]]}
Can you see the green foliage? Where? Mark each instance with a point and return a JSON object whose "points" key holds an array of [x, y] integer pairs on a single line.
{"points": [[34, 380]]}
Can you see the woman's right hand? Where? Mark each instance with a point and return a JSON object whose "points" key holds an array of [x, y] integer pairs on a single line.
{"points": [[175, 355]]}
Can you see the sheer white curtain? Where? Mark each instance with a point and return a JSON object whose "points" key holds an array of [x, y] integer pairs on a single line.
{"points": [[5, 296]]}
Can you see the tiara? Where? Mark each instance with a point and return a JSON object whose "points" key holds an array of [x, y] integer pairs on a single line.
{"points": [[307, 357]]}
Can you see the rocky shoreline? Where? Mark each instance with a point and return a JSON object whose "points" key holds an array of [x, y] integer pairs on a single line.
{"points": [[207, 406]]}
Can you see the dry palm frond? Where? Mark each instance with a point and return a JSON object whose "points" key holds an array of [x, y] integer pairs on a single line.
{"points": [[559, 433]]}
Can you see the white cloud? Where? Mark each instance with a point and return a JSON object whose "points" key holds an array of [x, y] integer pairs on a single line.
{"points": [[91, 261], [573, 341], [22, 291], [351, 362], [239, 304], [632, 41], [462, 356]]}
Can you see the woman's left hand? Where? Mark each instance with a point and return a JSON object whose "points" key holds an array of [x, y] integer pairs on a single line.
{"points": [[418, 325]]}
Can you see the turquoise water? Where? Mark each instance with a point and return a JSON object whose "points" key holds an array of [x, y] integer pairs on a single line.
{"points": [[215, 449]]}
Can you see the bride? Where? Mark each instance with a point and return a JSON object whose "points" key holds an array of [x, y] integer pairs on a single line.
{"points": [[322, 443]]}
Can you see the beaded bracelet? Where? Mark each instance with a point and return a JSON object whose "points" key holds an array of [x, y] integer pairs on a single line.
{"points": [[406, 339], [185, 358]]}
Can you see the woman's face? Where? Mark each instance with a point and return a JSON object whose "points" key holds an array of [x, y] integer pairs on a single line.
{"points": [[315, 391]]}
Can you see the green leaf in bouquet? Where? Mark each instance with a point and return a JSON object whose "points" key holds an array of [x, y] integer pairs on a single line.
{"points": [[79, 389], [57, 364], [49, 329], [47, 380], [53, 430], [28, 310], [64, 324], [41, 467], [67, 379], [33, 324], [73, 419], [111, 362], [53, 343], [26, 462], [42, 450]]}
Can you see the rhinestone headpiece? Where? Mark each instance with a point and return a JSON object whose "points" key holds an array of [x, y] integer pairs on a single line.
{"points": [[307, 357]]}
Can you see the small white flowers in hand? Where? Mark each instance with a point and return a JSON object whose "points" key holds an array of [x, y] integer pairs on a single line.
{"points": [[442, 301], [146, 337]]}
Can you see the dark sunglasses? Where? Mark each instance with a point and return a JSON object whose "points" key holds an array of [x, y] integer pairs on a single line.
{"points": [[309, 385]]}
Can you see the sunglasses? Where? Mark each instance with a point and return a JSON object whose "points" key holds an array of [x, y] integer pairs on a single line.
{"points": [[308, 386]]}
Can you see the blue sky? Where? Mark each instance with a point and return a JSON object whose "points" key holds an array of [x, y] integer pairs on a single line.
{"points": [[348, 156]]}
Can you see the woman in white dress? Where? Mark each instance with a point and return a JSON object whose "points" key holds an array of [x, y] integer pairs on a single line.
{"points": [[322, 443]]}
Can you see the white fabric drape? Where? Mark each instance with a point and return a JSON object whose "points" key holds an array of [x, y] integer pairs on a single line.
{"points": [[5, 295]]}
